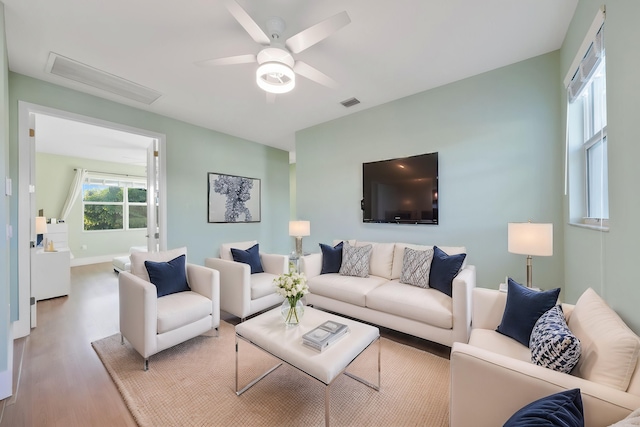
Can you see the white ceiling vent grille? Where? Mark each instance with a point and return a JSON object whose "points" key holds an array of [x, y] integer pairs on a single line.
{"points": [[70, 69], [350, 102]]}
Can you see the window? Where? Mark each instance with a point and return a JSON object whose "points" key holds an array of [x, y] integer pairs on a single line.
{"points": [[111, 202], [587, 162]]}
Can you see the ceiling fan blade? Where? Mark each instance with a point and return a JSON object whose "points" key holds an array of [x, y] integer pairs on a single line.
{"points": [[312, 35], [247, 22], [271, 98], [229, 60], [306, 70]]}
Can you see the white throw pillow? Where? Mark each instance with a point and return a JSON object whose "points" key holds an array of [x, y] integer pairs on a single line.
{"points": [[609, 348], [355, 260], [416, 266]]}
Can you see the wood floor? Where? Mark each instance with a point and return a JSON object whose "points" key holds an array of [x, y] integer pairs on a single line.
{"points": [[58, 378]]}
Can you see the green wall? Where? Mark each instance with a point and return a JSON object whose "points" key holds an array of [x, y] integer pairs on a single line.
{"points": [[191, 152], [604, 260], [54, 175], [500, 160], [4, 202]]}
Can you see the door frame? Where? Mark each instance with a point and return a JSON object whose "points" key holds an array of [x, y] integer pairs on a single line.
{"points": [[26, 163]]}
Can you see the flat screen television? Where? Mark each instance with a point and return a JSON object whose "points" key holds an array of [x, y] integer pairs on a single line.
{"points": [[402, 191]]}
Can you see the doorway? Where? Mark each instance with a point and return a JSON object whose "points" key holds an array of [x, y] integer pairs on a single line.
{"points": [[29, 115]]}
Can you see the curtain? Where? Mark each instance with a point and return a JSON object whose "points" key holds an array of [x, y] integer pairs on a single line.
{"points": [[74, 191]]}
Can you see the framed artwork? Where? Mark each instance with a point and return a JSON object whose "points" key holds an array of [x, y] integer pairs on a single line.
{"points": [[233, 198]]}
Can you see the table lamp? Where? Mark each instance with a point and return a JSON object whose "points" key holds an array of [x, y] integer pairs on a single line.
{"points": [[530, 239], [298, 229], [41, 228]]}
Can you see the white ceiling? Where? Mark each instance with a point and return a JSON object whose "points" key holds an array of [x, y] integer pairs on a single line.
{"points": [[391, 49]]}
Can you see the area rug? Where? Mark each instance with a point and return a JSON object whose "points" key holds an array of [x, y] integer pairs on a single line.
{"points": [[193, 384]]}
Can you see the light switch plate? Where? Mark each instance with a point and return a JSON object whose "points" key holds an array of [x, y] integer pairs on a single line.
{"points": [[7, 186]]}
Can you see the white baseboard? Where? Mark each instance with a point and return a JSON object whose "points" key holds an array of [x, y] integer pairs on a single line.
{"points": [[75, 262]]}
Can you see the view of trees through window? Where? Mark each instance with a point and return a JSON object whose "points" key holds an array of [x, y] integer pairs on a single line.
{"points": [[114, 207]]}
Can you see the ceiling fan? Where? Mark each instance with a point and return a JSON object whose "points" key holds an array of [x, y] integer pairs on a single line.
{"points": [[277, 69]]}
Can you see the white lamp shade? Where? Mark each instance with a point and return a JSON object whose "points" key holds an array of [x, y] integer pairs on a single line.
{"points": [[299, 228], [41, 225], [527, 238]]}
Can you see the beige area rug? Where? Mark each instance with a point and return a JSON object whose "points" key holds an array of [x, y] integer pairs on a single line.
{"points": [[193, 384]]}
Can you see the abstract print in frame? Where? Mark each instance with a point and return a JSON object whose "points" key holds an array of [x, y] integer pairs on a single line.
{"points": [[233, 198]]}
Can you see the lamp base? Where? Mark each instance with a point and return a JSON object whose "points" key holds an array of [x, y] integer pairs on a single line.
{"points": [[529, 271], [298, 246]]}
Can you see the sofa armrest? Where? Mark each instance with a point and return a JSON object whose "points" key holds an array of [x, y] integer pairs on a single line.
{"points": [[311, 265], [138, 312], [206, 282], [274, 263], [487, 388], [462, 287], [235, 285]]}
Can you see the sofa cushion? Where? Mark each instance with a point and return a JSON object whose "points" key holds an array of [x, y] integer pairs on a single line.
{"points": [[523, 309], [183, 308], [355, 260], [398, 254], [331, 258], [381, 258], [249, 256], [344, 288], [262, 285], [609, 348], [168, 277], [424, 305], [416, 266], [444, 268], [495, 342], [552, 344], [563, 409]]}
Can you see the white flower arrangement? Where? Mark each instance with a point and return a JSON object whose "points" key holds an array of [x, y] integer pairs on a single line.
{"points": [[292, 286]]}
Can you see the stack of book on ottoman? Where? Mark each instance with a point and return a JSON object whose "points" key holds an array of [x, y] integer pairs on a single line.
{"points": [[324, 335]]}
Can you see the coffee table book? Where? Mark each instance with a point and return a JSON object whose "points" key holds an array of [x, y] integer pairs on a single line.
{"points": [[322, 336]]}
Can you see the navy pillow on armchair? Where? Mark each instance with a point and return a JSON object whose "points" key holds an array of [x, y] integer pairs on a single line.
{"points": [[251, 256], [331, 258], [168, 277], [562, 409]]}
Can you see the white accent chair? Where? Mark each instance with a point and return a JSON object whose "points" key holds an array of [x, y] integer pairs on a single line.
{"points": [[151, 324], [242, 293]]}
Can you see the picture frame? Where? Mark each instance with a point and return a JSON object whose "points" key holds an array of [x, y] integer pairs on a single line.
{"points": [[232, 198]]}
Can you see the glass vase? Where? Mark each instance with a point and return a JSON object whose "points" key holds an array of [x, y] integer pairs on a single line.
{"points": [[292, 314]]}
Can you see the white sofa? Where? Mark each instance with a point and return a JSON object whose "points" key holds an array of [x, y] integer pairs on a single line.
{"points": [[492, 376], [381, 298]]}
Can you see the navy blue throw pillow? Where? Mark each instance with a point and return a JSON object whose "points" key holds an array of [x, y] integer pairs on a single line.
{"points": [[331, 258], [168, 277], [443, 270], [562, 409], [523, 309], [251, 256]]}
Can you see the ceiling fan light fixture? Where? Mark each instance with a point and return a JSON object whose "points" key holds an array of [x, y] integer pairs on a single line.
{"points": [[275, 77]]}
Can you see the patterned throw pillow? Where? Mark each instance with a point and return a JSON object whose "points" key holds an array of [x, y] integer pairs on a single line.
{"points": [[552, 343], [355, 260], [416, 266]]}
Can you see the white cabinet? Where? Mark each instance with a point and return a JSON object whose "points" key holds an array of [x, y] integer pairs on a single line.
{"points": [[50, 273], [58, 234]]}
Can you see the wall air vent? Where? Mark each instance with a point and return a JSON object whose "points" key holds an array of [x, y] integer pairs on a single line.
{"points": [[350, 102], [70, 69]]}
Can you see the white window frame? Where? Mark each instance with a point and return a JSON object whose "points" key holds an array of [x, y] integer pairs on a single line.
{"points": [[122, 181]]}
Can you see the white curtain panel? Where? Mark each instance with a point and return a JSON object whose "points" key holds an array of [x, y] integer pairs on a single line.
{"points": [[74, 192]]}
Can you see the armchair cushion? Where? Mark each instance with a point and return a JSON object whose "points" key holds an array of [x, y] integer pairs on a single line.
{"points": [[563, 409], [331, 258], [524, 308], [168, 277], [180, 309], [249, 256], [138, 258], [444, 268]]}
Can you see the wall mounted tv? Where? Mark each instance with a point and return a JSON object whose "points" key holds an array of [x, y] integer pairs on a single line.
{"points": [[402, 191]]}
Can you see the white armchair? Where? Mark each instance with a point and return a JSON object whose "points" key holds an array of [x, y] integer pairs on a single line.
{"points": [[151, 323], [242, 293]]}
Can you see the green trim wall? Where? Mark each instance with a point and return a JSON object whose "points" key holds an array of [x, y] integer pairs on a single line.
{"points": [[605, 261], [498, 138], [191, 152]]}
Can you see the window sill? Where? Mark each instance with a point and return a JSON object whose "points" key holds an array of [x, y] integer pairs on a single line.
{"points": [[604, 228]]}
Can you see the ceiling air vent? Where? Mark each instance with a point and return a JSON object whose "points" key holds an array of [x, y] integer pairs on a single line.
{"points": [[350, 102], [70, 69]]}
